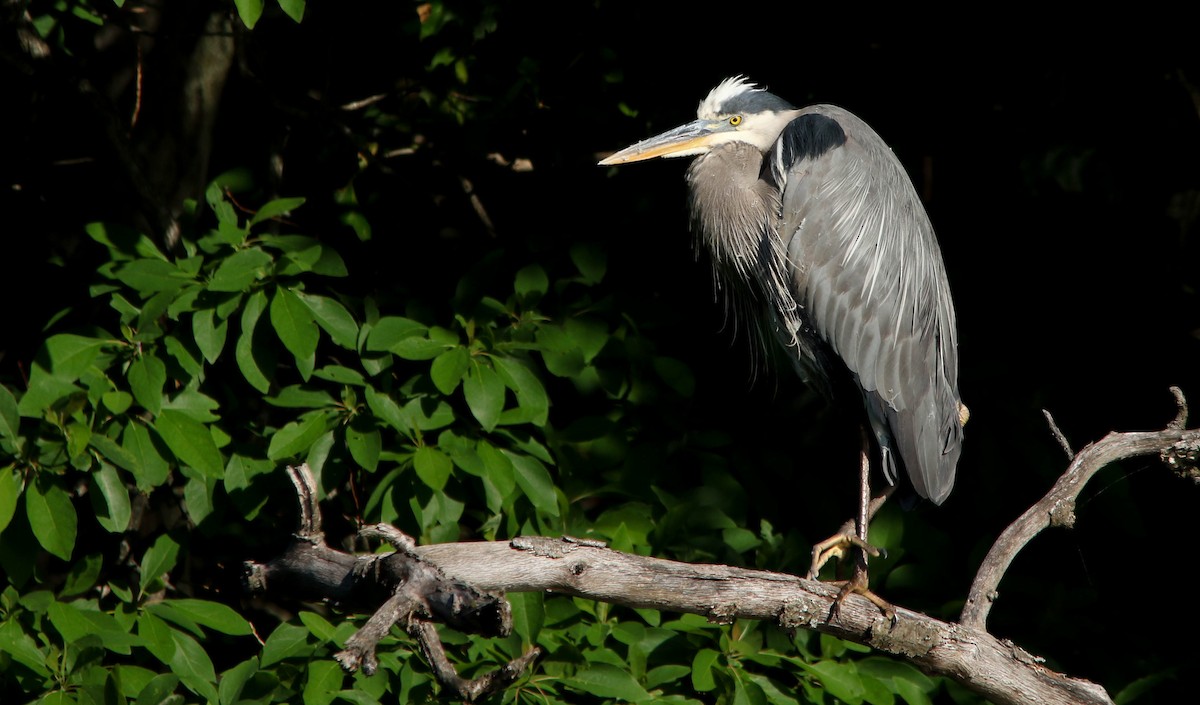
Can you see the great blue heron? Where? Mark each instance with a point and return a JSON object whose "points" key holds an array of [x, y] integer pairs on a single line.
{"points": [[811, 209]]}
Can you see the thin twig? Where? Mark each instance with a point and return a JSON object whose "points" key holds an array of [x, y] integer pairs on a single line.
{"points": [[1058, 434], [1057, 508]]}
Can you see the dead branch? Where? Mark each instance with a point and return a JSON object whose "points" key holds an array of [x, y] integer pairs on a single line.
{"points": [[396, 588], [1057, 508], [998, 670], [462, 584]]}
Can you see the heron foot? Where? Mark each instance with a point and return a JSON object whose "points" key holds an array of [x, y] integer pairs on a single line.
{"points": [[839, 546], [858, 585]]}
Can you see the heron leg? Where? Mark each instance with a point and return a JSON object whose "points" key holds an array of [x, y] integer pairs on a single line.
{"points": [[853, 535]]}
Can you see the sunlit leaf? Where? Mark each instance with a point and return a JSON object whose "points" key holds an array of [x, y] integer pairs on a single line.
{"points": [[110, 499], [279, 206], [448, 369], [365, 443], [334, 318], [150, 276], [10, 418], [535, 481], [249, 11], [209, 332], [158, 559], [484, 391], [294, 324], [11, 485], [287, 641], [241, 269], [193, 666], [296, 437], [149, 468], [190, 441], [432, 466], [212, 614], [607, 681], [531, 395], [147, 377], [247, 360], [51, 515], [69, 356], [324, 682], [390, 330]]}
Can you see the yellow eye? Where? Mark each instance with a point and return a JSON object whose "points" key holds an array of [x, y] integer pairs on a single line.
{"points": [[735, 120]]}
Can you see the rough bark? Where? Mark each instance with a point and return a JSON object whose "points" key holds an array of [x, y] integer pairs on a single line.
{"points": [[410, 587]]}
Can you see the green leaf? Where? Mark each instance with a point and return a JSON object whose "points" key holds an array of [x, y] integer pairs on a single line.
{"points": [[149, 468], [390, 330], [158, 559], [384, 408], [83, 575], [10, 418], [114, 512], [151, 276], [51, 515], [484, 391], [287, 641], [532, 401], [607, 681], [213, 615], [334, 318], [22, 648], [190, 441], [234, 680], [278, 206], [318, 626], [590, 260], [589, 335], [293, 9], [365, 444], [535, 481], [324, 682], [199, 407], [448, 369], [419, 348], [44, 391], [193, 666], [531, 282], [298, 397], [247, 361], [529, 614], [294, 324], [127, 243], [76, 620], [249, 11], [702, 670], [209, 333], [147, 377], [296, 437], [117, 402], [11, 484], [841, 680], [432, 466], [241, 269], [71, 355]]}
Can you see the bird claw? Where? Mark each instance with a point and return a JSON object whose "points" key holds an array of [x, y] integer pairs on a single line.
{"points": [[839, 546], [857, 585]]}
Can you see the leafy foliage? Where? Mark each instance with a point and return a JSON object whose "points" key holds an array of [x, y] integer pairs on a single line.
{"points": [[204, 373]]}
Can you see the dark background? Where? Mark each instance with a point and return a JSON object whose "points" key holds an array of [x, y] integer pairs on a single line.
{"points": [[1059, 168]]}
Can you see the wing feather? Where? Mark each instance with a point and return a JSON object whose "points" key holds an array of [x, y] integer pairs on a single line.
{"points": [[867, 273]]}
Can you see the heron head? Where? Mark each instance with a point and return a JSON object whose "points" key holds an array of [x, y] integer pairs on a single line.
{"points": [[734, 111]]}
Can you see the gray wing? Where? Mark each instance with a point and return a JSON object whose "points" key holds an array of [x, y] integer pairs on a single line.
{"points": [[869, 280]]}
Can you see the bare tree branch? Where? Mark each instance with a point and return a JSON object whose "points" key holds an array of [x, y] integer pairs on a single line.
{"points": [[1057, 508], [409, 588]]}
